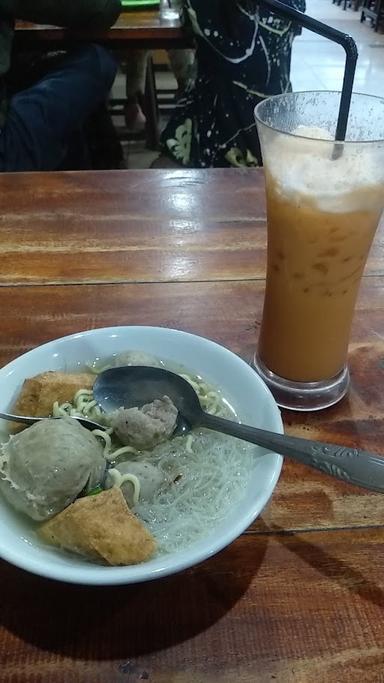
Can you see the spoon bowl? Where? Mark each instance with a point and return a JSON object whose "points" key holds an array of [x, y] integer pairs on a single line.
{"points": [[134, 386]]}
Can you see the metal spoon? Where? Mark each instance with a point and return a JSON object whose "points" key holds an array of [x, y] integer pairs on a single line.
{"points": [[89, 424], [135, 385]]}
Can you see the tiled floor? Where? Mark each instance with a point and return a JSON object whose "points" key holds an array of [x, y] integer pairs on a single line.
{"points": [[318, 64]]}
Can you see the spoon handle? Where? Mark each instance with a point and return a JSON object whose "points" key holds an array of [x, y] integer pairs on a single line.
{"points": [[20, 418], [89, 424], [352, 465]]}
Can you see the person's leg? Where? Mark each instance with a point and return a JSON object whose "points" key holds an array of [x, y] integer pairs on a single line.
{"points": [[134, 67], [43, 121], [182, 62]]}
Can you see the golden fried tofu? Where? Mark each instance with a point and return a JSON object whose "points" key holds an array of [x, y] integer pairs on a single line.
{"points": [[103, 528], [39, 393]]}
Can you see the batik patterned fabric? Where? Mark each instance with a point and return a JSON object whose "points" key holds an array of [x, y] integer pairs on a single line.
{"points": [[213, 123]]}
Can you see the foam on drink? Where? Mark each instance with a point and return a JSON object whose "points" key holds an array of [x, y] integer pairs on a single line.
{"points": [[305, 171]]}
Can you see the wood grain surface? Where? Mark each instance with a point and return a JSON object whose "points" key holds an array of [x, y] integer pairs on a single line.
{"points": [[192, 225], [299, 597], [272, 607]]}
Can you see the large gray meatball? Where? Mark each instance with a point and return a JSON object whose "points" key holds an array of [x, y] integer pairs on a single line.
{"points": [[45, 467]]}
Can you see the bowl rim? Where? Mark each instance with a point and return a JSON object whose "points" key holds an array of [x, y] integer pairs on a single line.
{"points": [[174, 562]]}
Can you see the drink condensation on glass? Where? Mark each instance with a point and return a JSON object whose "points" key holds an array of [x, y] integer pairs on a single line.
{"points": [[324, 204]]}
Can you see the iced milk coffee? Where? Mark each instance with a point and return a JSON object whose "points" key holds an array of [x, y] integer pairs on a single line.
{"points": [[322, 217]]}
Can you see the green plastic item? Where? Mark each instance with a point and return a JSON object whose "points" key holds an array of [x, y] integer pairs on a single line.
{"points": [[137, 4]]}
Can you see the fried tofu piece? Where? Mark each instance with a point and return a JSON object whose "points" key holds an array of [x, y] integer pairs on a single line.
{"points": [[103, 528], [39, 393]]}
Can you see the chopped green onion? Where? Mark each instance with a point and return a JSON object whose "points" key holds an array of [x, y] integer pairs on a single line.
{"points": [[93, 492]]}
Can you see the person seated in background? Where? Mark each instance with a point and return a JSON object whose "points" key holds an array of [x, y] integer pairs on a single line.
{"points": [[243, 55], [42, 126]]}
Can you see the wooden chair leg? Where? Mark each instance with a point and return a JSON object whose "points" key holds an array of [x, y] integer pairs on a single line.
{"points": [[151, 108]]}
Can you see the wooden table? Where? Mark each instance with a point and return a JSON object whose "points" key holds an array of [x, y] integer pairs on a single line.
{"points": [[299, 597], [132, 30]]}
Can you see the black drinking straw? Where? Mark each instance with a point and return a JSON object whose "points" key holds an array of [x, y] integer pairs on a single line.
{"points": [[343, 39]]}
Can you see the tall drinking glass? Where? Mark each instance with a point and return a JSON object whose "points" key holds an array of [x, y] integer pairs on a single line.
{"points": [[324, 202], [170, 9]]}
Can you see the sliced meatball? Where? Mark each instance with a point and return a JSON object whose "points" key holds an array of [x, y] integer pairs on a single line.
{"points": [[145, 427]]}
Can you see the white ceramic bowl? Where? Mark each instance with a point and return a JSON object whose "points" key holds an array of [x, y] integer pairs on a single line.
{"points": [[240, 384]]}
